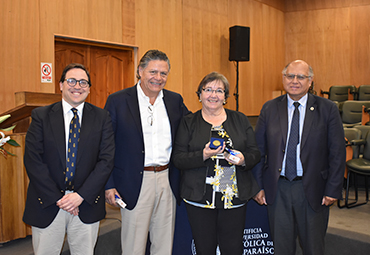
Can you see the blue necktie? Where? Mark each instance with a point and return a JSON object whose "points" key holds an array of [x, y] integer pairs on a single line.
{"points": [[291, 156], [74, 134]]}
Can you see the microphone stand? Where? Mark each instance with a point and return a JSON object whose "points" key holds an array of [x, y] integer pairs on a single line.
{"points": [[236, 94]]}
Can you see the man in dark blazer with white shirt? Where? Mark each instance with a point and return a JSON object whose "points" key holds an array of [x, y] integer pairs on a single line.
{"points": [[299, 205], [55, 207], [145, 118]]}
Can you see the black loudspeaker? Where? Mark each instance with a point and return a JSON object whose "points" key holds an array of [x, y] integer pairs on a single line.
{"points": [[239, 43]]}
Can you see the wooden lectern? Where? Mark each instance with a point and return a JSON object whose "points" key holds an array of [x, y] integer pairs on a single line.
{"points": [[13, 176]]}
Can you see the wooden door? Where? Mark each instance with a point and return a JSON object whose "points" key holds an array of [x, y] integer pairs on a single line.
{"points": [[111, 69]]}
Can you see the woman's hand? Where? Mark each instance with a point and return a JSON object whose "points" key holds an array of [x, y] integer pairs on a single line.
{"points": [[208, 152], [237, 154]]}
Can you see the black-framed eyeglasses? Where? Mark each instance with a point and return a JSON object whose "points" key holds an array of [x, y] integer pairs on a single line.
{"points": [[72, 82], [210, 91], [300, 77]]}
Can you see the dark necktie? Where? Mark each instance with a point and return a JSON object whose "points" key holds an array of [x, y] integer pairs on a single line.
{"points": [[291, 156], [74, 134]]}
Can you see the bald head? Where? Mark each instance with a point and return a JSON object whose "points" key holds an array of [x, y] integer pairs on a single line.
{"points": [[297, 79]]}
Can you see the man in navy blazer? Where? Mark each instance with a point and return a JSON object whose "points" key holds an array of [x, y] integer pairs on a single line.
{"points": [[145, 118], [299, 206], [55, 207]]}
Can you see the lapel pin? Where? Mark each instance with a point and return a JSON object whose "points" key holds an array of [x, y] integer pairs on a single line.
{"points": [[312, 108]]}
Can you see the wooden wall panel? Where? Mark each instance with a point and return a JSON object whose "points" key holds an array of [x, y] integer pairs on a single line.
{"points": [[205, 44], [260, 76], [13, 186], [331, 35], [322, 38], [306, 5], [92, 19], [359, 2], [19, 47], [360, 45], [278, 4], [128, 21], [159, 26]]}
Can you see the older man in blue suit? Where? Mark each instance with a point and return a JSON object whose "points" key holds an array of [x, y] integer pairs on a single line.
{"points": [[145, 118], [301, 140]]}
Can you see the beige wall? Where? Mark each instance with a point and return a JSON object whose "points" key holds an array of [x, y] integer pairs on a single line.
{"points": [[332, 36]]}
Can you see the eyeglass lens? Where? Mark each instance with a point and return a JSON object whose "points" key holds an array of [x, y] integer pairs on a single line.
{"points": [[72, 82]]}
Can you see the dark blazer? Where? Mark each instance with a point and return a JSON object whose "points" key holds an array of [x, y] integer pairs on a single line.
{"points": [[128, 169], [45, 162], [322, 148], [193, 134]]}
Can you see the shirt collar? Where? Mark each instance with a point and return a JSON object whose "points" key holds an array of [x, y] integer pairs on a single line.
{"points": [[142, 94], [302, 101], [67, 107]]}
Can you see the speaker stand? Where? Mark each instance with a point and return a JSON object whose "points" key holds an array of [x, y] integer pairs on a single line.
{"points": [[236, 94]]}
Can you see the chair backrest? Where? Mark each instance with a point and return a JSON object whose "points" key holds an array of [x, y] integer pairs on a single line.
{"points": [[352, 133], [340, 93], [363, 93], [364, 130], [366, 153], [352, 111]]}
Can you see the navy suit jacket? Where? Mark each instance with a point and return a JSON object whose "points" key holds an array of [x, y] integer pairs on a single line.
{"points": [[45, 162], [128, 169], [323, 152]]}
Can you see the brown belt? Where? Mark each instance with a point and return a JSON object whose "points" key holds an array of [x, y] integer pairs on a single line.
{"points": [[156, 168]]}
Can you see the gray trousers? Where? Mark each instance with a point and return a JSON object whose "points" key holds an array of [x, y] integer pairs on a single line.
{"points": [[291, 216]]}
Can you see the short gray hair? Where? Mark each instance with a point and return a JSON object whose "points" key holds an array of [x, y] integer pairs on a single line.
{"points": [[149, 56]]}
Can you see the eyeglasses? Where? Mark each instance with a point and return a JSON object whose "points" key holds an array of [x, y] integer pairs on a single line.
{"points": [[72, 82], [209, 91], [300, 77], [150, 117]]}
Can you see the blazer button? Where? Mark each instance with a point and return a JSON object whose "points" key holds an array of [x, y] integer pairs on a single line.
{"points": [[41, 203], [96, 202], [284, 151], [143, 152], [141, 172], [279, 169]]}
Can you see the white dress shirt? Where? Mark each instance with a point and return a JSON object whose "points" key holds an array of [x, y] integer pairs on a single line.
{"points": [[68, 115], [302, 113], [156, 129]]}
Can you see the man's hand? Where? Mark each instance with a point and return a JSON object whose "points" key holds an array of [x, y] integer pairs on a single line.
{"points": [[70, 203], [328, 201], [110, 196], [260, 197]]}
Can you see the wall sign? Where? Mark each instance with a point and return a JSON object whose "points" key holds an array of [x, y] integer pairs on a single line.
{"points": [[46, 72]]}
